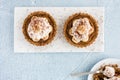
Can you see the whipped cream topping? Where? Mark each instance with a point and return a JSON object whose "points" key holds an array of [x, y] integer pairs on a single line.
{"points": [[113, 78], [81, 29], [39, 28], [109, 71]]}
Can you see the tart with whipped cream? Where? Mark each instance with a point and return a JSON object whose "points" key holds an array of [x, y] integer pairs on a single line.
{"points": [[81, 29], [108, 72], [39, 28]]}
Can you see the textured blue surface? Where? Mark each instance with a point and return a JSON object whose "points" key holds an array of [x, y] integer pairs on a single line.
{"points": [[52, 66]]}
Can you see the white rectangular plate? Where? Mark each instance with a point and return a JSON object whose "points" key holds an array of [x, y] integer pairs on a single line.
{"points": [[59, 44]]}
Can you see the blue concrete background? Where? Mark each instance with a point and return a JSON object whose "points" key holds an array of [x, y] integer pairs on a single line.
{"points": [[54, 66]]}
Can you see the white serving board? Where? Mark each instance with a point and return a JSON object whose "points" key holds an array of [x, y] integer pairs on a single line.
{"points": [[59, 44]]}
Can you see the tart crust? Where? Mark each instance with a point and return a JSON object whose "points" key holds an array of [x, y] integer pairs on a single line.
{"points": [[68, 25], [51, 22]]}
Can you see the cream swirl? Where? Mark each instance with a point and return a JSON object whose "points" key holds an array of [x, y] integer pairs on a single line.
{"points": [[109, 71], [81, 29], [39, 28]]}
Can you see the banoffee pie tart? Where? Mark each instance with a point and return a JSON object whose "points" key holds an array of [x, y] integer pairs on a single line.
{"points": [[108, 72], [81, 29], [39, 28]]}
